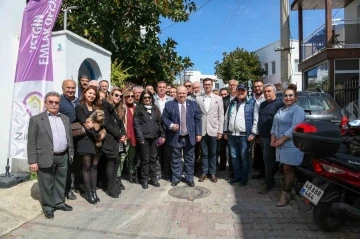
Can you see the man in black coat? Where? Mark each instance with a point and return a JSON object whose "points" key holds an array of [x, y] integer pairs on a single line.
{"points": [[68, 101]]}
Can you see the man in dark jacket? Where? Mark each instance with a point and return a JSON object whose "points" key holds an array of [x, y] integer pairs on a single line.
{"points": [[223, 142], [68, 101], [267, 111], [182, 121]]}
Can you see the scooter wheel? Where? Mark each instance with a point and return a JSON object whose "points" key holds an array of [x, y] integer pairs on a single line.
{"points": [[325, 218]]}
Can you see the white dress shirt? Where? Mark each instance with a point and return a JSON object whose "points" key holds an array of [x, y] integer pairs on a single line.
{"points": [[207, 102]]}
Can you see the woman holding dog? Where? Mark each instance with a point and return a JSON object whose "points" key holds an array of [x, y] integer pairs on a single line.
{"points": [[113, 144], [86, 146], [149, 134]]}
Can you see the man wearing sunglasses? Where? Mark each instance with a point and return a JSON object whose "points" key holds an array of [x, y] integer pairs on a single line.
{"points": [[188, 85], [50, 147]]}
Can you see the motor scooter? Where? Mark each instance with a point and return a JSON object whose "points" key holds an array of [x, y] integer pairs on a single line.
{"points": [[332, 183]]}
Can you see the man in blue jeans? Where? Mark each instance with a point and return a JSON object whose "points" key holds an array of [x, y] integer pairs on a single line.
{"points": [[238, 125], [267, 111]]}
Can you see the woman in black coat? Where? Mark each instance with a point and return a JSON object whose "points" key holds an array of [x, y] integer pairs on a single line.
{"points": [[114, 140], [86, 147], [149, 134]]}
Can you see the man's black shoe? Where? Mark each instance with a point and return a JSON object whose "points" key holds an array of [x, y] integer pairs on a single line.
{"points": [[231, 175], [190, 184], [70, 195], [234, 180], [49, 214], [174, 184], [64, 207], [154, 183], [221, 168]]}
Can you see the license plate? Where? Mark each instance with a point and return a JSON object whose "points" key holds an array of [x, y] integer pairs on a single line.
{"points": [[311, 192]]}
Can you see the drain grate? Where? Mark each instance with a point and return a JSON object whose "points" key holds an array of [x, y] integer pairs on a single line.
{"points": [[183, 192]]}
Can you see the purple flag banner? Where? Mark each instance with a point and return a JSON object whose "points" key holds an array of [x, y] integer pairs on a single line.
{"points": [[34, 70]]}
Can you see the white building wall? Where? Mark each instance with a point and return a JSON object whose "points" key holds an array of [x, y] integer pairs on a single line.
{"points": [[194, 76], [11, 12], [70, 51], [268, 55], [352, 10]]}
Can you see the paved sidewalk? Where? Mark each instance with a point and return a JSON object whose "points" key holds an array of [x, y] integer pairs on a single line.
{"points": [[229, 212]]}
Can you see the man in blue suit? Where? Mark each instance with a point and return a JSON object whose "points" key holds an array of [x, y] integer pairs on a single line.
{"points": [[182, 120]]}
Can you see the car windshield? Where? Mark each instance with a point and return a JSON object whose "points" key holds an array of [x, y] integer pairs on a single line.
{"points": [[320, 104]]}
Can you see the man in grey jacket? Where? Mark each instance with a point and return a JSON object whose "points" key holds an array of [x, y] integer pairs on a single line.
{"points": [[49, 147]]}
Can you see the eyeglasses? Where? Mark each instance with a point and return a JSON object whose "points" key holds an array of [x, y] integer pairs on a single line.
{"points": [[289, 95], [147, 97], [187, 86], [118, 95], [50, 102], [130, 96]]}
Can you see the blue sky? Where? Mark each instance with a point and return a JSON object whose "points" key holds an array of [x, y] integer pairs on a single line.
{"points": [[223, 25]]}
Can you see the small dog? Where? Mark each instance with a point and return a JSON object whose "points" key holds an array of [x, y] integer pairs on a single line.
{"points": [[97, 118]]}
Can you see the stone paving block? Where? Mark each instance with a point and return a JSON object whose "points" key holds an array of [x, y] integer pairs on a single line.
{"points": [[219, 226], [234, 233], [186, 237], [261, 226], [239, 226], [197, 231], [214, 232], [314, 234]]}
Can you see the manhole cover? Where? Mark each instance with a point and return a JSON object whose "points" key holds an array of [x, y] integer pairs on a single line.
{"points": [[183, 192]]}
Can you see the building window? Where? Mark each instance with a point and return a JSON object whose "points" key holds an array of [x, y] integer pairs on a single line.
{"points": [[266, 69], [296, 65], [317, 77], [273, 71]]}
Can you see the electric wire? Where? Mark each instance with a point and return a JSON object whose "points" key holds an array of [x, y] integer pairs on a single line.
{"points": [[189, 15]]}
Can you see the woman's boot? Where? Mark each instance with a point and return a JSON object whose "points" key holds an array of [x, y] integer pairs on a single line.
{"points": [[89, 197], [284, 199], [121, 186], [112, 191], [94, 194]]}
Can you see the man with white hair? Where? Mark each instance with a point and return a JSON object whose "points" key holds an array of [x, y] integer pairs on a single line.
{"points": [[94, 83], [196, 91], [267, 111]]}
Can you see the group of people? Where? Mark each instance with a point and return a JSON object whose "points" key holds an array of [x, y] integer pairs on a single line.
{"points": [[153, 133]]}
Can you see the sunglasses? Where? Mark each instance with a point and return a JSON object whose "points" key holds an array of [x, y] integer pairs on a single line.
{"points": [[118, 95], [289, 95], [187, 86], [50, 102], [147, 97], [130, 96]]}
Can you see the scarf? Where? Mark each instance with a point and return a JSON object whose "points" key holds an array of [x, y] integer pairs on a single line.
{"points": [[130, 133], [148, 108]]}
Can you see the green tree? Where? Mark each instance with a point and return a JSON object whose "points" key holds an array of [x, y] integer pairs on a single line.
{"points": [[240, 65], [130, 30]]}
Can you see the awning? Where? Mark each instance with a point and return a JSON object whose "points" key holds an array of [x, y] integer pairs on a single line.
{"points": [[318, 4]]}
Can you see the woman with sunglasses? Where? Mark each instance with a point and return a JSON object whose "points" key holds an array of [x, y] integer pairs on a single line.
{"points": [[285, 120], [86, 147], [149, 134], [126, 114], [113, 141]]}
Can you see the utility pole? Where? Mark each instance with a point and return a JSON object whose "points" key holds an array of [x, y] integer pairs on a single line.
{"points": [[285, 44]]}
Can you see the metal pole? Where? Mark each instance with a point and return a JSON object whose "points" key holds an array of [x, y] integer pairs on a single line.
{"points": [[285, 44], [66, 13], [65, 18]]}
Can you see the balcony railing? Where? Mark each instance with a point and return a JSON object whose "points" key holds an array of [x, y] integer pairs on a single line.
{"points": [[345, 34]]}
